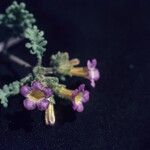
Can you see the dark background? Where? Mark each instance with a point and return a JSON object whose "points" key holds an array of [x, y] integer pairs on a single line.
{"points": [[117, 117]]}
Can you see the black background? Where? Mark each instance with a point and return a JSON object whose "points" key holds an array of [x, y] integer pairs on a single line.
{"points": [[117, 117]]}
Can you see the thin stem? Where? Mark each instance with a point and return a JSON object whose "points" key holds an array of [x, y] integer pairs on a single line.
{"points": [[15, 59], [39, 63], [27, 78], [10, 42], [18, 60]]}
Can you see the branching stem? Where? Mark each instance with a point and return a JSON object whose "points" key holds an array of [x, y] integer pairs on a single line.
{"points": [[11, 42]]}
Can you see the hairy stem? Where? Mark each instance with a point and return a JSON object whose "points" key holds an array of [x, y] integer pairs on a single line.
{"points": [[39, 62], [26, 79]]}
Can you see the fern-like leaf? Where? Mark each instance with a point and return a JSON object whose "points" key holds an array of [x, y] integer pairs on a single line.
{"points": [[17, 18], [36, 42]]}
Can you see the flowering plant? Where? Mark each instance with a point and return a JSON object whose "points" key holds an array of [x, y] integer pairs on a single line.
{"points": [[42, 85]]}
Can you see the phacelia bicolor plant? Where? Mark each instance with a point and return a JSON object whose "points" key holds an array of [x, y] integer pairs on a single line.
{"points": [[40, 88]]}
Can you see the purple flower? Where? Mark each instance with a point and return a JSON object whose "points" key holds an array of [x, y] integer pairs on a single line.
{"points": [[93, 72], [80, 96], [36, 96]]}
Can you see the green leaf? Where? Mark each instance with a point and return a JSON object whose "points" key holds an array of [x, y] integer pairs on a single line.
{"points": [[28, 45], [36, 42], [17, 17], [12, 89]]}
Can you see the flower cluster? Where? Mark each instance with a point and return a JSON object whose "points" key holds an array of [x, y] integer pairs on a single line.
{"points": [[64, 66], [41, 97], [43, 84]]}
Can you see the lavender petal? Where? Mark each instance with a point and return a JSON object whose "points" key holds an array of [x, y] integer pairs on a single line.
{"points": [[92, 83], [89, 64], [25, 90], [37, 85], [86, 96], [74, 93], [80, 108], [74, 106], [29, 105], [81, 87], [43, 105], [47, 91], [94, 63]]}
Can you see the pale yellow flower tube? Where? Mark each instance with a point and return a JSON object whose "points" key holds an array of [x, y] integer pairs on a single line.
{"points": [[50, 115]]}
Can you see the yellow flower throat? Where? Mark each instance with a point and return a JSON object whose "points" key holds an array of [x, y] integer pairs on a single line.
{"points": [[36, 95]]}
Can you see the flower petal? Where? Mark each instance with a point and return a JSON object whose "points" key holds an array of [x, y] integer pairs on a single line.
{"points": [[29, 105], [86, 96], [74, 105], [94, 63], [25, 90], [80, 108], [93, 75], [37, 85], [74, 93], [97, 74], [89, 64], [47, 91], [43, 105], [92, 83], [81, 87]]}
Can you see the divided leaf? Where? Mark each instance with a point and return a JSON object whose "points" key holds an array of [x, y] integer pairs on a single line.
{"points": [[36, 42], [17, 18]]}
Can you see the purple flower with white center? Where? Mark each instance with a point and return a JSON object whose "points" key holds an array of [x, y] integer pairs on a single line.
{"points": [[93, 72], [36, 96], [80, 96]]}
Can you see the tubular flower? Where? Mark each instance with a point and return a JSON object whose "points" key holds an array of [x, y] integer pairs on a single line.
{"points": [[50, 115], [90, 71], [77, 96], [36, 96]]}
